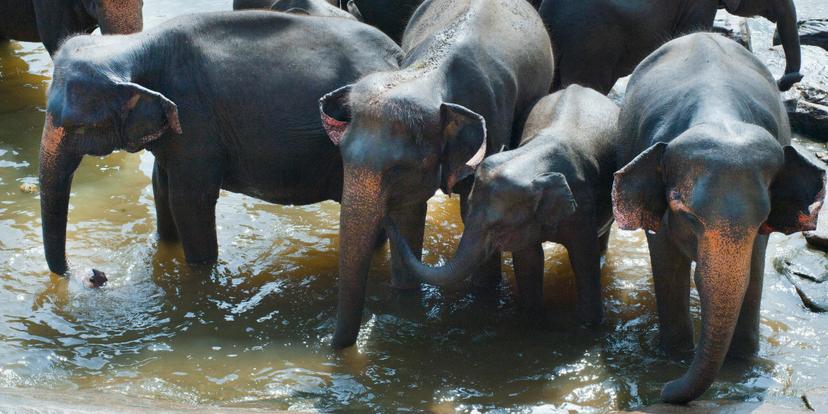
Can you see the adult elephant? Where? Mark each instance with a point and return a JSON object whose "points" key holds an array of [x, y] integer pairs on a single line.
{"points": [[596, 42], [328, 8], [52, 21], [257, 134], [463, 92], [709, 175]]}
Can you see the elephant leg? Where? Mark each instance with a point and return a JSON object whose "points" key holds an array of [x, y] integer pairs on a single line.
{"points": [[745, 343], [411, 223], [193, 201], [585, 258], [528, 265], [488, 275], [671, 277], [161, 192]]}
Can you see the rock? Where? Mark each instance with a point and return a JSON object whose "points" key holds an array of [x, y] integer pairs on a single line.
{"points": [[807, 270], [817, 399], [807, 101], [733, 27], [812, 32], [719, 407], [29, 188], [98, 278]]}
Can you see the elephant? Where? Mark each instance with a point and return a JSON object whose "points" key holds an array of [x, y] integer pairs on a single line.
{"points": [[463, 91], [596, 42], [52, 21], [709, 174], [390, 16], [257, 134], [311, 7], [556, 187]]}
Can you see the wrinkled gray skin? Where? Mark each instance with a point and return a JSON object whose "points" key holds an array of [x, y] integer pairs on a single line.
{"points": [[554, 187], [463, 92], [258, 134], [321, 8], [596, 42], [710, 174], [52, 21]]}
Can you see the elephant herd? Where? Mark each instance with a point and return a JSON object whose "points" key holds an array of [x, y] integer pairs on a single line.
{"points": [[311, 104]]}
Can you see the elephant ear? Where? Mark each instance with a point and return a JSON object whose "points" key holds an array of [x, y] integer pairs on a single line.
{"points": [[797, 195], [335, 109], [146, 116], [555, 201], [354, 10], [464, 132], [638, 192]]}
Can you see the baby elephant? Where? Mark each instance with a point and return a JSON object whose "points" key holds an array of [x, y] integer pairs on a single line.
{"points": [[554, 187]]}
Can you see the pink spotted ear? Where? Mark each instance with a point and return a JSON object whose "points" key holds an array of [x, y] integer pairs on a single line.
{"points": [[638, 191], [335, 111]]}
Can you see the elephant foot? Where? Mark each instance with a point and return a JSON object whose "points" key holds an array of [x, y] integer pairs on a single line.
{"points": [[590, 316]]}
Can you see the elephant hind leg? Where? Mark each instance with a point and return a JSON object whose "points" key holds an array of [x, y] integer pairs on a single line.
{"points": [[671, 277], [745, 343]]}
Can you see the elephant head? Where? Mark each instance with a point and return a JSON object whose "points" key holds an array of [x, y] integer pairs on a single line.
{"points": [[90, 111], [59, 19], [507, 211], [397, 147], [783, 13], [714, 195]]}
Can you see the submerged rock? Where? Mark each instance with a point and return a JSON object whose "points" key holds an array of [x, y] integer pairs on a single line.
{"points": [[719, 407], [817, 399], [812, 32]]}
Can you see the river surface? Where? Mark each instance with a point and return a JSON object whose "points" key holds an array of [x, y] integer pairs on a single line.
{"points": [[253, 331]]}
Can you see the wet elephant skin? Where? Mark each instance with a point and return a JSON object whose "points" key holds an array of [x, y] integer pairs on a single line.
{"points": [[257, 134], [554, 187], [710, 174], [463, 92]]}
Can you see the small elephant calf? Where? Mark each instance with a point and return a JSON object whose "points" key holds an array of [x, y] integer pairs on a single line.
{"points": [[554, 187]]}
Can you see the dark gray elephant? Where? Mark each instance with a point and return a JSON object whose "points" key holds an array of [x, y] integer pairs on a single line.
{"points": [[52, 21], [463, 92], [709, 175], [596, 42], [554, 187], [257, 134]]}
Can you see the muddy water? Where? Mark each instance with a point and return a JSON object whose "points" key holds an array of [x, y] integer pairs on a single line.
{"points": [[253, 331]]}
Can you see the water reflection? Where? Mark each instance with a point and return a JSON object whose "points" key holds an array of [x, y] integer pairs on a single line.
{"points": [[253, 330]]}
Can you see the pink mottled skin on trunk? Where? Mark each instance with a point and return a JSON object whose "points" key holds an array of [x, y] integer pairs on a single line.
{"points": [[51, 139]]}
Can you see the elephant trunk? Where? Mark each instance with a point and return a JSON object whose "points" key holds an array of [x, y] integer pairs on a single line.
{"points": [[469, 254], [120, 17], [57, 167], [361, 214], [789, 34], [722, 276]]}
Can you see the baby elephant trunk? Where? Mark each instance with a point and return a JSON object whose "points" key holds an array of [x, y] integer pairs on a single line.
{"points": [[470, 253]]}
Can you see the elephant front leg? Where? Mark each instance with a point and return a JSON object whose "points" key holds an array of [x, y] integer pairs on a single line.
{"points": [[671, 277], [585, 258], [411, 223], [528, 265], [745, 343], [163, 212], [193, 205]]}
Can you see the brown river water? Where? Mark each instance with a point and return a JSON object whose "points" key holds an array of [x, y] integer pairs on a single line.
{"points": [[253, 331]]}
